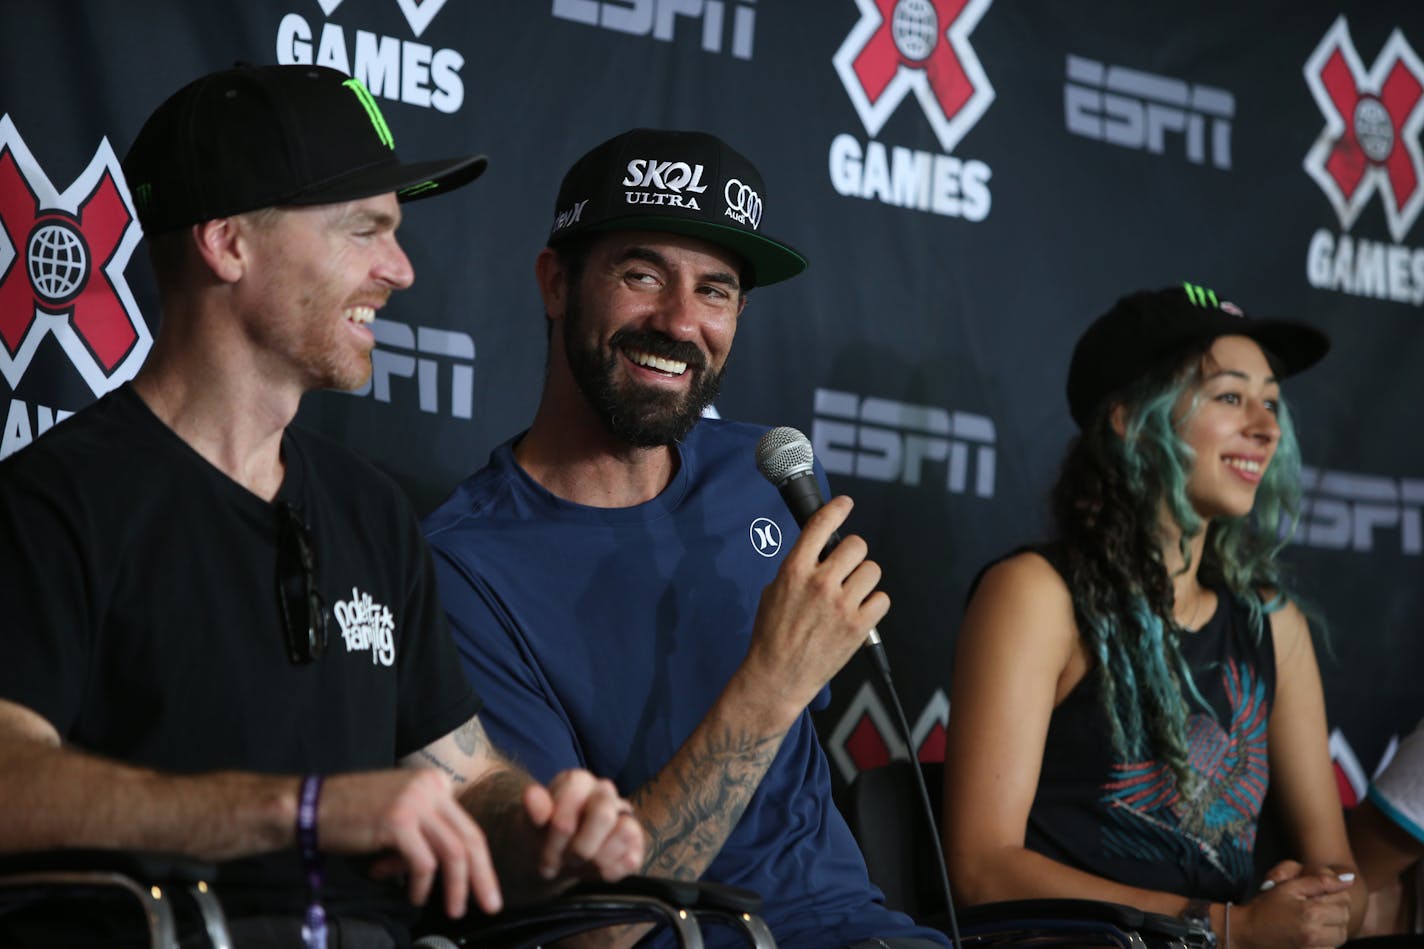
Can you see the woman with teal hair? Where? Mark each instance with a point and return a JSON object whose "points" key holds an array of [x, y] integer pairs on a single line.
{"points": [[1124, 695]]}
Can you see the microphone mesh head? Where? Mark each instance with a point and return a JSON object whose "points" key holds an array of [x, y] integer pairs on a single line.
{"points": [[782, 453]]}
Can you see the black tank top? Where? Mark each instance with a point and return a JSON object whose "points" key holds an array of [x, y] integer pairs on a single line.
{"points": [[1127, 820]]}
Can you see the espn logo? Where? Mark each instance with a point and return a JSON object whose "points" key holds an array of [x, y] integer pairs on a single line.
{"points": [[1137, 110], [418, 353], [1343, 510], [659, 18], [884, 440]]}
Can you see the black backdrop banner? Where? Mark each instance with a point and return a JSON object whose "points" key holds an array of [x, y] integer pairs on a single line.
{"points": [[972, 180]]}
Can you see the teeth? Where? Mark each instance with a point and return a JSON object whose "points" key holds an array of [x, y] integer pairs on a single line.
{"points": [[361, 314], [1252, 467], [670, 366]]}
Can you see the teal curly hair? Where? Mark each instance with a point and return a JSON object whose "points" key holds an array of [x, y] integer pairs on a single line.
{"points": [[1107, 504]]}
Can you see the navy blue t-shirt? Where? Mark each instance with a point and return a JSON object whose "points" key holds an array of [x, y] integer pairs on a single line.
{"points": [[599, 638]]}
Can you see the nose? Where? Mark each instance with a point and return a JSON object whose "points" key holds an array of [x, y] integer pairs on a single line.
{"points": [[393, 266], [1263, 425], [675, 313]]}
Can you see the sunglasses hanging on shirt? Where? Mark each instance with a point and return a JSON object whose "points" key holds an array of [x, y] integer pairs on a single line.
{"points": [[304, 617]]}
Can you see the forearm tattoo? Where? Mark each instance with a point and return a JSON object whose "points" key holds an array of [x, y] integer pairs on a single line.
{"points": [[471, 738], [434, 760], [689, 810]]}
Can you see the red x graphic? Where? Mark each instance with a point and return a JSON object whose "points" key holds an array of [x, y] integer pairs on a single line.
{"points": [[1399, 95], [881, 58], [94, 309]]}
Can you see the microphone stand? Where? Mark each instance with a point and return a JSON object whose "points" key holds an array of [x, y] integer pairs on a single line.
{"points": [[882, 665]]}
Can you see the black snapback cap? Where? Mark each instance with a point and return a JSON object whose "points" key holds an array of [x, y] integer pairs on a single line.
{"points": [[270, 136], [1145, 328], [688, 183]]}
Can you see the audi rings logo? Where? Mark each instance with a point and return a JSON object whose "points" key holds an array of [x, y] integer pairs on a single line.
{"points": [[765, 536], [743, 203]]}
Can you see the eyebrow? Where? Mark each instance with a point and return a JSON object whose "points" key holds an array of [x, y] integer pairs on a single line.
{"points": [[380, 219], [1237, 373], [638, 252]]}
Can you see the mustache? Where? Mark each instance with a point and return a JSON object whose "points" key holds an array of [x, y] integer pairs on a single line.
{"points": [[659, 344]]}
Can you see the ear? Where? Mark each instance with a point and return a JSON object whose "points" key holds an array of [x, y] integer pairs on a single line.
{"points": [[553, 279], [220, 247], [1118, 417]]}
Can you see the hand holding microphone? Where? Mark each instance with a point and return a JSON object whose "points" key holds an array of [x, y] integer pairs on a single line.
{"points": [[785, 458]]}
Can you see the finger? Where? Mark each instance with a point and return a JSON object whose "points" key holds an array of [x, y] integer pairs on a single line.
{"points": [[538, 804], [626, 848], [599, 818], [469, 866], [569, 791], [419, 860], [587, 811], [1336, 883], [1281, 872], [819, 527], [862, 580]]}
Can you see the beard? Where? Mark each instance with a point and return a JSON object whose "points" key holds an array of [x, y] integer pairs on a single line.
{"points": [[641, 416]]}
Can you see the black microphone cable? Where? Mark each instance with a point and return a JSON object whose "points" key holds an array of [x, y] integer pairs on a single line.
{"points": [[785, 458]]}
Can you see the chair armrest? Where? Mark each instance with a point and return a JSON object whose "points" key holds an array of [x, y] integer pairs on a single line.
{"points": [[144, 865]]}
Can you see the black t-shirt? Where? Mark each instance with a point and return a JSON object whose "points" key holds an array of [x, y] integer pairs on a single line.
{"points": [[1127, 820], [142, 617]]}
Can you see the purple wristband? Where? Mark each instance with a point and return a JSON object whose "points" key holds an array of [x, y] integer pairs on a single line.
{"points": [[314, 922]]}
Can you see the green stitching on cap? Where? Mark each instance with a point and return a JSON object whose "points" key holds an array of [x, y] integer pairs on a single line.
{"points": [[143, 196], [421, 188], [1201, 296], [373, 112]]}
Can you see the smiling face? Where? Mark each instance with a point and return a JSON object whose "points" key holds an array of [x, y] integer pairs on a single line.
{"points": [[321, 273], [647, 331], [1233, 429]]}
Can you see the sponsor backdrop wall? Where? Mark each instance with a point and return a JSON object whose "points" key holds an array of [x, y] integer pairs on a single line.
{"points": [[972, 180]]}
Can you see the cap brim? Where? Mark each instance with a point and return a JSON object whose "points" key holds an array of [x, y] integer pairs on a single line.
{"points": [[1294, 346], [410, 182], [771, 261]]}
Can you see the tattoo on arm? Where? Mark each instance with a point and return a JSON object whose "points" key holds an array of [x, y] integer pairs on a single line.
{"points": [[471, 738], [434, 761], [689, 810]]}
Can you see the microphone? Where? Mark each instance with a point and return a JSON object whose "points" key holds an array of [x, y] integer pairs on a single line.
{"points": [[784, 457]]}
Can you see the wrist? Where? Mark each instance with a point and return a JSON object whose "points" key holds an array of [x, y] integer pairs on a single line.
{"points": [[760, 702]]}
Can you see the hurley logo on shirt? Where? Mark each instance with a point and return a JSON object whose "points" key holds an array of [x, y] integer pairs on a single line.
{"points": [[366, 624]]}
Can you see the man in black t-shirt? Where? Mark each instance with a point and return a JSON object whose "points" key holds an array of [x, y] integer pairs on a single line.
{"points": [[221, 635]]}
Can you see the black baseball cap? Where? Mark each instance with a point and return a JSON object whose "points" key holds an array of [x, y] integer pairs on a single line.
{"points": [[688, 183], [271, 136], [1146, 328]]}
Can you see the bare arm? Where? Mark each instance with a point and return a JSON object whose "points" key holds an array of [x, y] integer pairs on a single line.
{"points": [[1302, 776], [1017, 657], [811, 620], [59, 797]]}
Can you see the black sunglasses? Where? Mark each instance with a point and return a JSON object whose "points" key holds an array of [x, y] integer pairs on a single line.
{"points": [[304, 615]]}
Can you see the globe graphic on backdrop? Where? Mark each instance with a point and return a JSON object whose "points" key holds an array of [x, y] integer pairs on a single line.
{"points": [[914, 26], [58, 262], [1373, 129]]}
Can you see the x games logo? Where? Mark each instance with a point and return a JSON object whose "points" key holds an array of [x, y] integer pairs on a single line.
{"points": [[1372, 123], [919, 46], [62, 260]]}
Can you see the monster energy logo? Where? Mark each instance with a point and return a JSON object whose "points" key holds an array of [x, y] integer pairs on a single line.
{"points": [[373, 112], [1201, 296], [143, 195], [416, 189]]}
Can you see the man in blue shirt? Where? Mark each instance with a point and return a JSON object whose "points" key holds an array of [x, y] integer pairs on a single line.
{"points": [[622, 584]]}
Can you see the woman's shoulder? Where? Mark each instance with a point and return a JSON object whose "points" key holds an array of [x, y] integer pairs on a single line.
{"points": [[1036, 566], [1026, 583]]}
